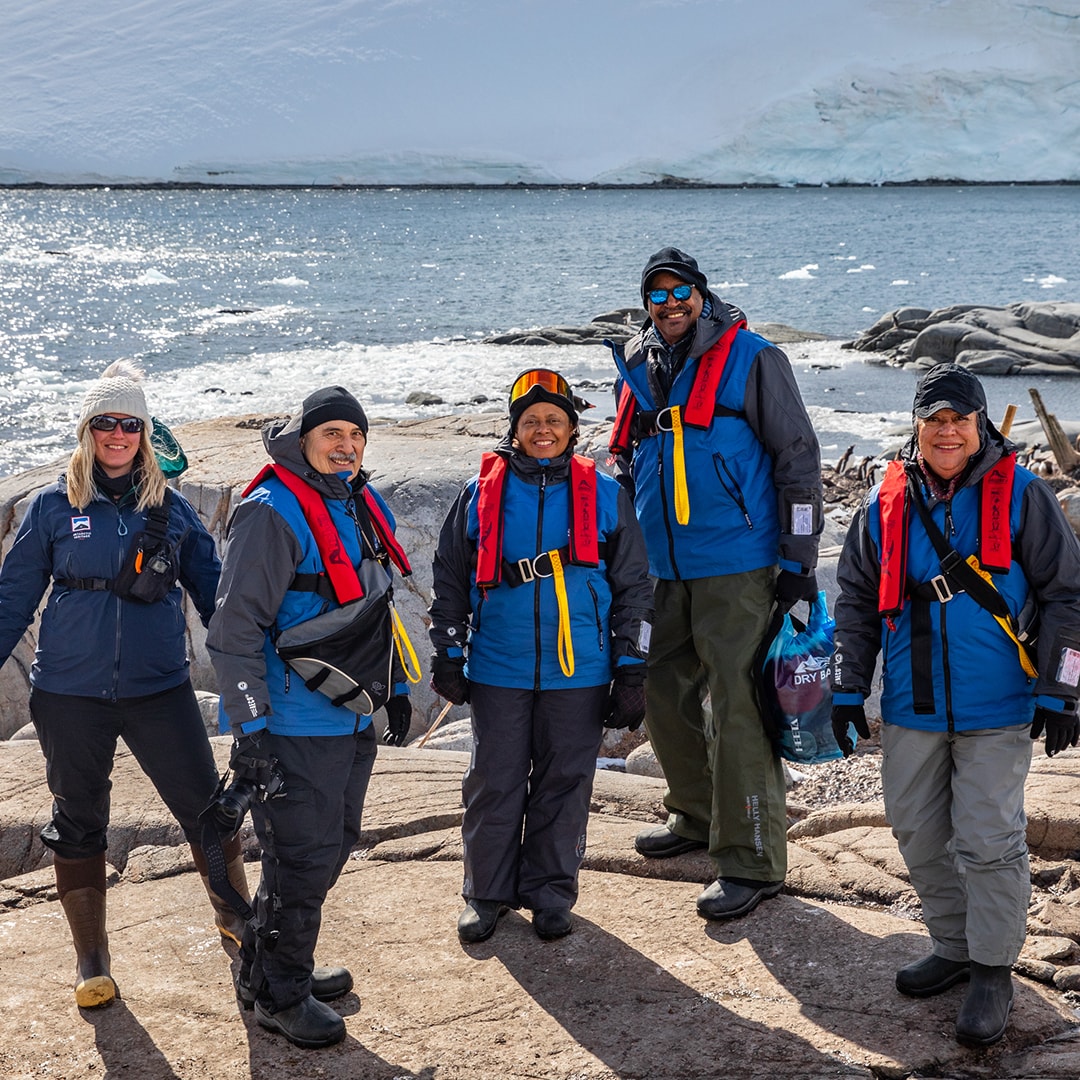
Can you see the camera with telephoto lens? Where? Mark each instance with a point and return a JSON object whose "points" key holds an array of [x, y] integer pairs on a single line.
{"points": [[232, 804]]}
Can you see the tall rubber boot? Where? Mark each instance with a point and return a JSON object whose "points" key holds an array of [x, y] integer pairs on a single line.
{"points": [[81, 885], [230, 925]]}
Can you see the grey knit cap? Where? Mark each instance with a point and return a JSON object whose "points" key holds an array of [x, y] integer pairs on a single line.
{"points": [[118, 390]]}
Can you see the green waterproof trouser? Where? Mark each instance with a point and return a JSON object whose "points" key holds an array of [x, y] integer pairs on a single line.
{"points": [[725, 784]]}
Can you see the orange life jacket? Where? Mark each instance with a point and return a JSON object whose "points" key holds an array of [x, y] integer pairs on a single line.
{"points": [[583, 549], [995, 545], [339, 568], [700, 408]]}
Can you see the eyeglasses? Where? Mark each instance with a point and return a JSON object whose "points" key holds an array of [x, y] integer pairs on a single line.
{"points": [[129, 425], [551, 381], [680, 292]]}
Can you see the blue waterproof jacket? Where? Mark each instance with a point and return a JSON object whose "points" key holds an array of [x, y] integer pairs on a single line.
{"points": [[977, 678], [753, 476], [92, 643], [512, 633], [268, 544]]}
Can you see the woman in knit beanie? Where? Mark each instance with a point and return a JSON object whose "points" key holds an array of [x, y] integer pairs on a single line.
{"points": [[115, 544]]}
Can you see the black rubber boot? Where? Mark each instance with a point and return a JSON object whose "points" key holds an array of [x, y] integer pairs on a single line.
{"points": [[80, 884], [931, 975], [985, 1013], [309, 1023], [327, 984], [478, 921]]}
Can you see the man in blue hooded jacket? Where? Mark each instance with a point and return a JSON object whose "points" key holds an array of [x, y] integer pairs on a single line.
{"points": [[714, 441]]}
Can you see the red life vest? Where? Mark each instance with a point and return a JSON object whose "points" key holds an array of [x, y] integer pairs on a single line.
{"points": [[494, 473], [339, 568], [700, 407], [995, 544]]}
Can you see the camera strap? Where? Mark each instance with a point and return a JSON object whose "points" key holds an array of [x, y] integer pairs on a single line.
{"points": [[218, 871]]}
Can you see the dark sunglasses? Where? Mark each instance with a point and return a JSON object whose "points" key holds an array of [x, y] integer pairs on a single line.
{"points": [[680, 292], [130, 425]]}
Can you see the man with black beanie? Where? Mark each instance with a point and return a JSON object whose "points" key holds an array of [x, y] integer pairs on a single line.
{"points": [[305, 521], [728, 492]]}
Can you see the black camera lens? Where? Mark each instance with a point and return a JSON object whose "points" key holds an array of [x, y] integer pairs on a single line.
{"points": [[232, 804]]}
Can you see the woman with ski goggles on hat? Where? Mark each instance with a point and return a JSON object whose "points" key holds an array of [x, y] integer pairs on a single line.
{"points": [[115, 544], [541, 619]]}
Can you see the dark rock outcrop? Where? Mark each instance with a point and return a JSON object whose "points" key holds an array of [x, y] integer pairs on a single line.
{"points": [[1036, 339]]}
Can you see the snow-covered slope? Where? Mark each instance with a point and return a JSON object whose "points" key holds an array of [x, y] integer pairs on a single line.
{"points": [[452, 91]]}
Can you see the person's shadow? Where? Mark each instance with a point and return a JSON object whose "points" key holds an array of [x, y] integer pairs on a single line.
{"points": [[843, 978], [125, 1045], [629, 1012]]}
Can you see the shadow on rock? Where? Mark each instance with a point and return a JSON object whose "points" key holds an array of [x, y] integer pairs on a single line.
{"points": [[669, 1028]]}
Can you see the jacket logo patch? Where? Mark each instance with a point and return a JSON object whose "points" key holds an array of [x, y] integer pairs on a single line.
{"points": [[80, 527]]}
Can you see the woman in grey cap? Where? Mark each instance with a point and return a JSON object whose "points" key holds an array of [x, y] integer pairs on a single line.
{"points": [[115, 543], [944, 566]]}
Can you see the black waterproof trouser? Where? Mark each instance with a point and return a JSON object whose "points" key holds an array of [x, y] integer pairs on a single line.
{"points": [[165, 733], [306, 836], [527, 792]]}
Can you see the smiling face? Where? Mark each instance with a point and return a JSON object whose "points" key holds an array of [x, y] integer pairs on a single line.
{"points": [[674, 318], [543, 431], [334, 447], [947, 440], [114, 451]]}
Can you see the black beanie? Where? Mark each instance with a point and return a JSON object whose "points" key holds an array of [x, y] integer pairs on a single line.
{"points": [[676, 262], [331, 403]]}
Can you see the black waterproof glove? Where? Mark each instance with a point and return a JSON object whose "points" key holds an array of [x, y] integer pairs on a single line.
{"points": [[1062, 729], [249, 761], [448, 678], [398, 720], [792, 587], [626, 705], [842, 715]]}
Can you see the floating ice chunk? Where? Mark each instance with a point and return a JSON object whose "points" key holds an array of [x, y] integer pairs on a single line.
{"points": [[802, 274]]}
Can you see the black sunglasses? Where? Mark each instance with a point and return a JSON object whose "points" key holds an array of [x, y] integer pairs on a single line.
{"points": [[129, 425], [680, 292]]}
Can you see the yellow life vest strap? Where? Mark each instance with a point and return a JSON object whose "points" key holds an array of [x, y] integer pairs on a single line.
{"points": [[682, 494], [566, 643]]}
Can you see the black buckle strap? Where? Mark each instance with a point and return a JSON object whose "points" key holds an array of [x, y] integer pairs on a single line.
{"points": [[650, 422], [90, 584], [525, 570]]}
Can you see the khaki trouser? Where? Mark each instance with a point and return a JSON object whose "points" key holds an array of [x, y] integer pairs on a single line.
{"points": [[725, 785], [956, 806]]}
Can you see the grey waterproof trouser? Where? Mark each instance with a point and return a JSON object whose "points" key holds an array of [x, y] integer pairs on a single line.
{"points": [[306, 836], [725, 784], [956, 807], [527, 792]]}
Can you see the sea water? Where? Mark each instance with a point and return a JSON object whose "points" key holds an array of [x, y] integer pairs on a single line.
{"points": [[243, 301]]}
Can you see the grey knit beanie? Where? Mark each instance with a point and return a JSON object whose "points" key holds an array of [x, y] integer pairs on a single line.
{"points": [[118, 390]]}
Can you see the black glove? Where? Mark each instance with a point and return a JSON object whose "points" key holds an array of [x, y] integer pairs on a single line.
{"points": [[842, 715], [249, 761], [626, 705], [792, 587], [398, 720], [1062, 729], [448, 678]]}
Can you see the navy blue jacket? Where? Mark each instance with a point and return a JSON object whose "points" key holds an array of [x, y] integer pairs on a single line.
{"points": [[92, 643]]}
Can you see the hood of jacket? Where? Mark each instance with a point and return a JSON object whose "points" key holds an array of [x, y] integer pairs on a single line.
{"points": [[282, 441]]}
